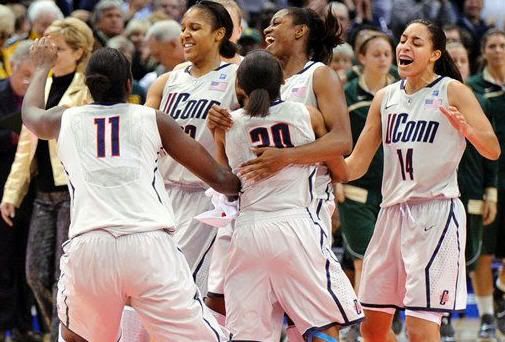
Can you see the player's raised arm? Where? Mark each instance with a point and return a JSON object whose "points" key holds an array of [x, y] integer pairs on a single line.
{"points": [[336, 165], [368, 142], [195, 157], [44, 123]]}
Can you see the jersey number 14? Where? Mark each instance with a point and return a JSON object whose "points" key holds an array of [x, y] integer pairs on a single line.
{"points": [[406, 166]]}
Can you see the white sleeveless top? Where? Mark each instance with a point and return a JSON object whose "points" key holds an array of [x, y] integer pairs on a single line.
{"points": [[298, 88], [110, 154], [422, 150], [187, 100], [287, 125]]}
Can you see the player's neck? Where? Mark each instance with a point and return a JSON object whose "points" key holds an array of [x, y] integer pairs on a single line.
{"points": [[497, 73], [206, 65], [374, 81], [293, 64], [413, 84]]}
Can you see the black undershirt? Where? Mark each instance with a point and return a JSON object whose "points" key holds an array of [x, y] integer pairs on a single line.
{"points": [[45, 178]]}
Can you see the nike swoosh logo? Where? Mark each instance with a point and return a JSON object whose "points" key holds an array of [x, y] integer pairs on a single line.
{"points": [[391, 105], [428, 228]]}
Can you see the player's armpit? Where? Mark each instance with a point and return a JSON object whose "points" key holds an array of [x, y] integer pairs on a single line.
{"points": [[155, 92], [195, 157]]}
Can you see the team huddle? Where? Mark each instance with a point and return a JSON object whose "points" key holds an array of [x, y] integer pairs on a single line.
{"points": [[138, 175]]}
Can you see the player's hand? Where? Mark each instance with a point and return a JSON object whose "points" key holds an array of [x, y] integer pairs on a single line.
{"points": [[339, 192], [8, 211], [270, 160], [44, 53], [489, 212], [218, 117], [457, 120]]}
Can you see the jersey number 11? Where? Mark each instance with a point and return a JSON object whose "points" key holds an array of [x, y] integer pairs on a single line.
{"points": [[100, 136]]}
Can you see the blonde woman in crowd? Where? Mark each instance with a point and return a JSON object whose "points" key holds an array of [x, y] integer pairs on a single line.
{"points": [[36, 159]]}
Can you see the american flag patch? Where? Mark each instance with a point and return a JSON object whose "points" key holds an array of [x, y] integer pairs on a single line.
{"points": [[432, 103], [299, 92], [219, 86]]}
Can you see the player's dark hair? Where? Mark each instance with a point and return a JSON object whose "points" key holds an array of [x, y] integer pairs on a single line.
{"points": [[260, 76], [107, 75], [444, 66], [220, 18], [324, 32]]}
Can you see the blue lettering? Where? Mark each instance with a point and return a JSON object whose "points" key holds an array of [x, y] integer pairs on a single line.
{"points": [[399, 128]]}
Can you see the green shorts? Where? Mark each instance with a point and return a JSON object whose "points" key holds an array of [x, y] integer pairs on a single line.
{"points": [[474, 228], [358, 223], [493, 239]]}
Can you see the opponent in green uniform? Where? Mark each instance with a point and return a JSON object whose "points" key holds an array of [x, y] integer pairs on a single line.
{"points": [[490, 84]]}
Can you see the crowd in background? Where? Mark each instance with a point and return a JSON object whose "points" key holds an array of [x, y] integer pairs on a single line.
{"points": [[35, 199]]}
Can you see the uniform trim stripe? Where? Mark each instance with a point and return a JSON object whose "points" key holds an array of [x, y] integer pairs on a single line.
{"points": [[327, 270], [311, 185], [200, 263], [306, 68], [413, 308], [154, 181], [437, 249], [222, 66], [197, 298], [459, 253]]}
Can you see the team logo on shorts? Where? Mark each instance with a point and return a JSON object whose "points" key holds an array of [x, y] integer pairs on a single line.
{"points": [[357, 307], [444, 297]]}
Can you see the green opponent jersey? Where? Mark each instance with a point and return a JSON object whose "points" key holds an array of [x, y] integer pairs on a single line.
{"points": [[494, 106], [358, 102]]}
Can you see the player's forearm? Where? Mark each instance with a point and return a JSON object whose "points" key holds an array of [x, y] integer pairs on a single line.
{"points": [[338, 170], [323, 149], [225, 182], [486, 143], [34, 102]]}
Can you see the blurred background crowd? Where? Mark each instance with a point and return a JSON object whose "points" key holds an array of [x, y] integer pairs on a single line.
{"points": [[35, 200]]}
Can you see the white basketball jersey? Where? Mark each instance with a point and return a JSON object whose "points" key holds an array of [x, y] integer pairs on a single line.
{"points": [[298, 88], [187, 100], [110, 155], [422, 149], [287, 125]]}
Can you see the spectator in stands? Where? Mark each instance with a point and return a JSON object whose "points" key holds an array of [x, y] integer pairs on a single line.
{"points": [[164, 46], [173, 8], [15, 297], [41, 14], [108, 21], [7, 20]]}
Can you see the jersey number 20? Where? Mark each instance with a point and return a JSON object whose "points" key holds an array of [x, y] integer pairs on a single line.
{"points": [[114, 136], [278, 133]]}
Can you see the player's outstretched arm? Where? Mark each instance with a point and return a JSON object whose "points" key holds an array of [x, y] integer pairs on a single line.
{"points": [[466, 115], [155, 92], [368, 142], [338, 170], [195, 157], [44, 123], [338, 141]]}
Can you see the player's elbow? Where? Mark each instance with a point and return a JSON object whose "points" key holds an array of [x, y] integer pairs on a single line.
{"points": [[495, 153]]}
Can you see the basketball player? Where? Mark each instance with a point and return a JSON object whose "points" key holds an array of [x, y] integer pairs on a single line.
{"points": [[490, 84], [186, 95], [303, 42], [362, 197], [415, 259], [120, 249], [279, 256], [477, 181]]}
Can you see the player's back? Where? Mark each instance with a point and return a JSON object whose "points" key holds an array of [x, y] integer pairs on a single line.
{"points": [[110, 154], [287, 125]]}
